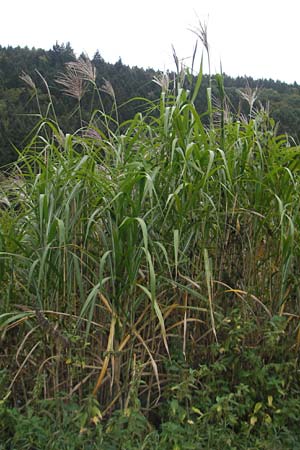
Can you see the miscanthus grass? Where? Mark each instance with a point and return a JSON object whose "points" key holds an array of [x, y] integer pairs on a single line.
{"points": [[126, 247]]}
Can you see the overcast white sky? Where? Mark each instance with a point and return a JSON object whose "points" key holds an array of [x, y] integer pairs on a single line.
{"points": [[258, 38]]}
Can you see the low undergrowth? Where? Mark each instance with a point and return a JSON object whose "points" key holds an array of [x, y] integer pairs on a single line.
{"points": [[149, 277], [247, 405]]}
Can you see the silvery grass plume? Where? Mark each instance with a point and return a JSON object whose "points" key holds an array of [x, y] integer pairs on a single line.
{"points": [[31, 84], [92, 134], [163, 81], [221, 109], [107, 88], [201, 32], [75, 77], [27, 80], [250, 95], [84, 68], [180, 70], [73, 85]]}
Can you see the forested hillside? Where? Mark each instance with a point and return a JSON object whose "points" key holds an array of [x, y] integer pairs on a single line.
{"points": [[17, 101]]}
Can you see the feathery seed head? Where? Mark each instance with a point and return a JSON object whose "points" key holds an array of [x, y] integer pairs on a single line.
{"points": [[27, 79], [107, 87], [249, 94], [92, 133], [201, 32], [84, 68], [163, 81], [76, 75], [72, 83]]}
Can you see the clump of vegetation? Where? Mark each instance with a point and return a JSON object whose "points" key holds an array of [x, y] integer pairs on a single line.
{"points": [[149, 273]]}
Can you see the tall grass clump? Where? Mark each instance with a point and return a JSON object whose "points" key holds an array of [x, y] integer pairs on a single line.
{"points": [[152, 265]]}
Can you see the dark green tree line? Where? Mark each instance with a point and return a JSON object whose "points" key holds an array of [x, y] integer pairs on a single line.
{"points": [[18, 106]]}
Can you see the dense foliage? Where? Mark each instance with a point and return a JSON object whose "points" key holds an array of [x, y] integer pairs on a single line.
{"points": [[149, 275], [16, 102]]}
